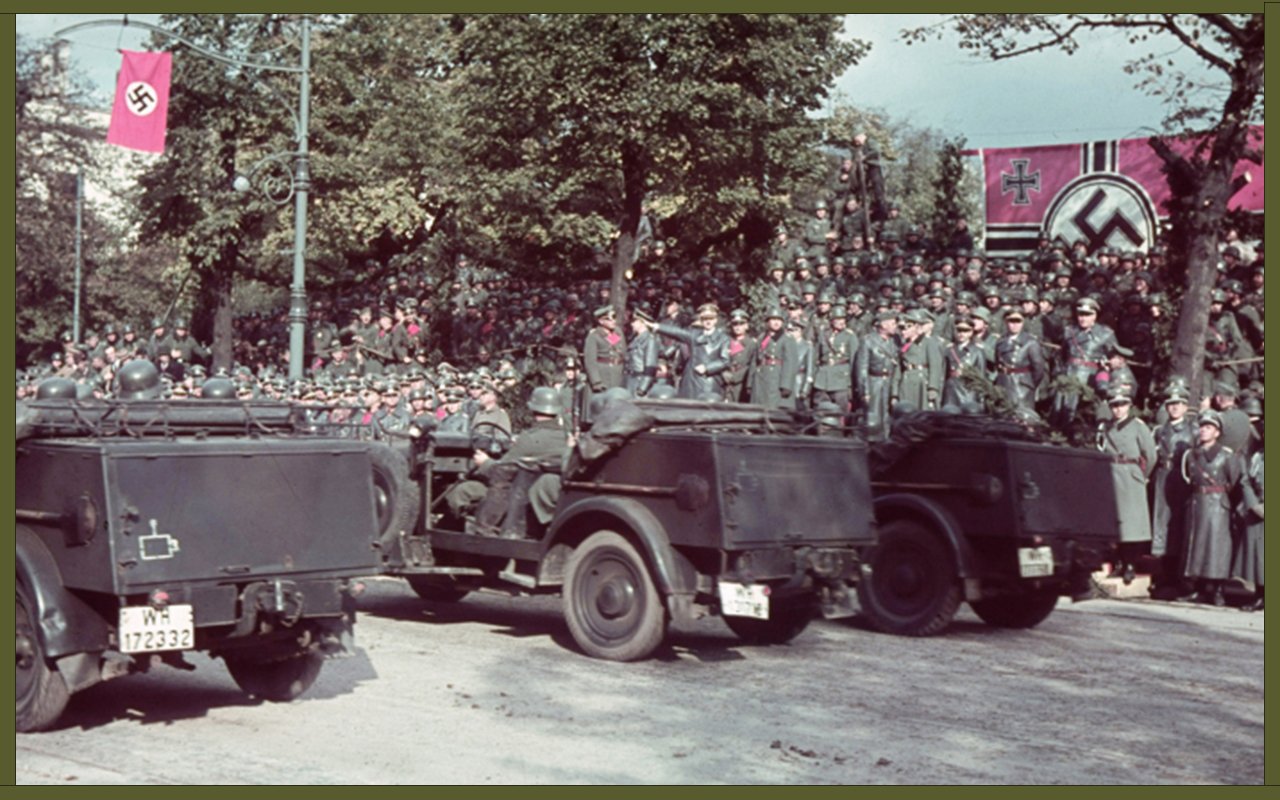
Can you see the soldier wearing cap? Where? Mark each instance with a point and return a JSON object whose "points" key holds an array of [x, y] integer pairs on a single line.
{"points": [[604, 352], [453, 419], [963, 359], [766, 371], [797, 369], [1086, 346], [922, 368], [1020, 363], [642, 354], [1213, 471], [876, 369], [1117, 377], [708, 353], [742, 354], [1170, 493], [1129, 442], [1236, 430], [488, 417], [836, 347]]}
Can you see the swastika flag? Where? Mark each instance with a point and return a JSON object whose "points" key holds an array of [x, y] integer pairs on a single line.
{"points": [[1109, 193], [139, 116]]}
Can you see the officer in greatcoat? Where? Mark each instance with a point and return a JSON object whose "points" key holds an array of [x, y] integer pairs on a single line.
{"points": [[1132, 448], [604, 352], [1086, 346], [836, 348], [766, 372], [642, 354], [742, 354], [962, 357], [1020, 363], [1170, 493], [1247, 560], [876, 370], [922, 368], [796, 380], [708, 354], [1213, 472]]}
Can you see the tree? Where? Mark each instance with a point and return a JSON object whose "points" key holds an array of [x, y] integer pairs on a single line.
{"points": [[577, 120], [1215, 119]]}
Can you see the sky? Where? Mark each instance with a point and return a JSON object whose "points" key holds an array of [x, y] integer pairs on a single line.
{"points": [[1046, 98]]}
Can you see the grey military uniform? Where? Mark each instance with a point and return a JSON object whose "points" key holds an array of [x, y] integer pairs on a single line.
{"points": [[1132, 447], [642, 363], [1212, 475], [876, 372], [708, 349], [1020, 366], [766, 373], [835, 352]]}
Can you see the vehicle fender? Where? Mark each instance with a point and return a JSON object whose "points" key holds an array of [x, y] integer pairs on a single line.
{"points": [[936, 516], [67, 623], [671, 573]]}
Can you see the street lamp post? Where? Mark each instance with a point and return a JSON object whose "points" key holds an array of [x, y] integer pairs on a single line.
{"points": [[300, 181]]}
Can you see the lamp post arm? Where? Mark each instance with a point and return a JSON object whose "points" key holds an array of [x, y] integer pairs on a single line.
{"points": [[207, 53]]}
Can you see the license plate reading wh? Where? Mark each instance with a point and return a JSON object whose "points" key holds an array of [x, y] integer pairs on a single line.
{"points": [[1035, 562], [739, 600], [144, 629]]}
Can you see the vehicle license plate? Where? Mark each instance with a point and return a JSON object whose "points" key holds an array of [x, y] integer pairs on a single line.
{"points": [[1035, 562], [144, 629], [739, 600]]}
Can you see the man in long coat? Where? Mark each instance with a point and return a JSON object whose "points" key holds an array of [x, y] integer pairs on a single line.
{"points": [[920, 381], [1170, 492], [1133, 449], [1213, 471], [836, 348], [962, 357], [742, 355], [604, 352], [708, 354], [1020, 363], [766, 372], [876, 370], [1086, 346], [642, 354]]}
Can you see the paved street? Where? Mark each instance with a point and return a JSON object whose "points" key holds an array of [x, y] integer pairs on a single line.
{"points": [[490, 691]]}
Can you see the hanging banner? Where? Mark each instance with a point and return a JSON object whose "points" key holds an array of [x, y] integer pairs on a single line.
{"points": [[1110, 193], [140, 113]]}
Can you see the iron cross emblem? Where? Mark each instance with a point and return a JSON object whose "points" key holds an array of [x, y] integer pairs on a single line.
{"points": [[1020, 182]]}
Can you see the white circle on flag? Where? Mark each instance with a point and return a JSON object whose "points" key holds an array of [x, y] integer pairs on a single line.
{"points": [[140, 98], [1103, 209]]}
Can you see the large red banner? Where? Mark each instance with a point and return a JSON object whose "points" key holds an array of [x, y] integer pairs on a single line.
{"points": [[139, 115], [1109, 193]]}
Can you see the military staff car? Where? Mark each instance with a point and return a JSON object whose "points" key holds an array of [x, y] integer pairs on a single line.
{"points": [[148, 528]]}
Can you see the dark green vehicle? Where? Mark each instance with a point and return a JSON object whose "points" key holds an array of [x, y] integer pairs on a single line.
{"points": [[701, 508], [979, 510], [148, 528]]}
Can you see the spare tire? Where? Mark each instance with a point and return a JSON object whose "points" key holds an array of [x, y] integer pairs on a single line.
{"points": [[396, 496]]}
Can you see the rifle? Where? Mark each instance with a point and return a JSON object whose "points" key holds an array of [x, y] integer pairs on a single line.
{"points": [[1233, 362]]}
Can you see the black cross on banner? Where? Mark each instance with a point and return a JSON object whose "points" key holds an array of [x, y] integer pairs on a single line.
{"points": [[141, 99], [1020, 182]]}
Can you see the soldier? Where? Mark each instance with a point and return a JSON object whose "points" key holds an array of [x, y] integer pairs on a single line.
{"points": [[1133, 449], [766, 372], [1247, 561], [642, 354], [876, 370], [1236, 430], [1213, 471], [922, 368], [604, 351], [184, 348], [963, 358], [160, 339], [391, 417], [1170, 493], [796, 375], [742, 354], [1226, 343], [1117, 377], [1084, 354], [1020, 363], [836, 348], [489, 418], [818, 228], [708, 354]]}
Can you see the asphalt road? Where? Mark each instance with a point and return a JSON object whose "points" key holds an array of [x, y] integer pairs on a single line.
{"points": [[491, 691]]}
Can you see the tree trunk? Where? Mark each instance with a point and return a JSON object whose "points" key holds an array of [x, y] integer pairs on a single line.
{"points": [[633, 182]]}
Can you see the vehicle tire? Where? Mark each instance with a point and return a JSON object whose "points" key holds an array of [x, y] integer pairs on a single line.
{"points": [[42, 694], [435, 589], [396, 496], [786, 621], [279, 680], [612, 607], [913, 589], [1024, 609]]}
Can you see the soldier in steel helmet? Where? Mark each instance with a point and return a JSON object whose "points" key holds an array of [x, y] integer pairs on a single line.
{"points": [[1170, 492], [1213, 471]]}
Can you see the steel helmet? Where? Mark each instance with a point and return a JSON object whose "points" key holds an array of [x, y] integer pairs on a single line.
{"points": [[138, 380], [545, 400], [56, 389], [217, 388]]}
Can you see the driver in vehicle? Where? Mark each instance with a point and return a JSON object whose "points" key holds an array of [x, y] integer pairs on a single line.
{"points": [[527, 476]]}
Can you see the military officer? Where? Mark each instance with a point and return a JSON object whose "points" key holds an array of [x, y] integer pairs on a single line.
{"points": [[836, 348], [642, 354], [708, 354], [963, 358], [1020, 363], [742, 355], [922, 368], [1170, 493], [1212, 470], [766, 371], [796, 379], [604, 352], [876, 370], [1087, 344], [1129, 442]]}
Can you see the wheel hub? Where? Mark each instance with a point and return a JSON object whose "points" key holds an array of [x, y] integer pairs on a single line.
{"points": [[615, 598]]}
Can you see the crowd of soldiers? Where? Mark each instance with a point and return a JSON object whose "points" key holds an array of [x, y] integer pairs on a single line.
{"points": [[859, 315]]}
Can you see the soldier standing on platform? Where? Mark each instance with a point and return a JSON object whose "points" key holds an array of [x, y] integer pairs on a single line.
{"points": [[876, 371], [920, 381], [742, 354], [797, 367], [1213, 471], [963, 357], [1020, 363], [1086, 347], [1133, 449], [766, 372], [642, 354], [836, 349], [708, 354], [604, 352], [1170, 493]]}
